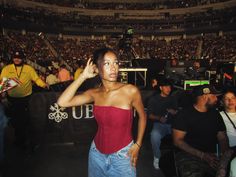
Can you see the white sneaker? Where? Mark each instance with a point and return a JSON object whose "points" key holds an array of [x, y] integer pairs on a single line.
{"points": [[156, 163]]}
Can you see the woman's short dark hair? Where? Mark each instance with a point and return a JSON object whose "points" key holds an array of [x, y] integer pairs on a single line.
{"points": [[98, 55], [229, 91]]}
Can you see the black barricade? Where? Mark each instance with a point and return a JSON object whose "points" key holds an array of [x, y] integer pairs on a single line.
{"points": [[53, 124], [50, 123]]}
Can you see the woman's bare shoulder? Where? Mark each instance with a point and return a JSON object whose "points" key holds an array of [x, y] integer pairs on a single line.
{"points": [[93, 91], [130, 88]]}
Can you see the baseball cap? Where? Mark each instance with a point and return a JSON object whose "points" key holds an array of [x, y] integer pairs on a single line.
{"points": [[164, 82], [204, 89], [19, 54]]}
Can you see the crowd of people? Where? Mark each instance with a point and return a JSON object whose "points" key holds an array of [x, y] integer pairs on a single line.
{"points": [[196, 132], [203, 136], [163, 110], [56, 21], [132, 5], [74, 49]]}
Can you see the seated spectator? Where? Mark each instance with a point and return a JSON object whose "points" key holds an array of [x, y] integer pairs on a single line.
{"points": [[52, 78], [195, 133], [63, 74], [161, 108], [194, 71], [229, 116], [173, 62]]}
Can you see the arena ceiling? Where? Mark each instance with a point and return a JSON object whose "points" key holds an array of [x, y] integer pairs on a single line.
{"points": [[123, 1]]}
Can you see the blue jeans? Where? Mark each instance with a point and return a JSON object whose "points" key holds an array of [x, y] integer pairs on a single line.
{"points": [[110, 165], [3, 123], [159, 130]]}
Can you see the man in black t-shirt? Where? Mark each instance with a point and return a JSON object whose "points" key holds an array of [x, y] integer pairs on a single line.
{"points": [[196, 132], [161, 109]]}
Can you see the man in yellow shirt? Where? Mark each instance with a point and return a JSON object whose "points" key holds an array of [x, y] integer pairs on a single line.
{"points": [[19, 96], [79, 70]]}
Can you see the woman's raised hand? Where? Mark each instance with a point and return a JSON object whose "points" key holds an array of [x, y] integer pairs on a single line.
{"points": [[90, 70]]}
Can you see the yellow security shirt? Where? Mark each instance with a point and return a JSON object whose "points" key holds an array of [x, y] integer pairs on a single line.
{"points": [[26, 74], [78, 72]]}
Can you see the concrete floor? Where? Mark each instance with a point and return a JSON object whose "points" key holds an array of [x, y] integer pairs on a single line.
{"points": [[63, 160]]}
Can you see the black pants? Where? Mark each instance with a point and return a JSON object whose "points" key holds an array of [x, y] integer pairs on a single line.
{"points": [[19, 118]]}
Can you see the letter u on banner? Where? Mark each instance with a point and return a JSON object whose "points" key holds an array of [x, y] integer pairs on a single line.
{"points": [[85, 111], [75, 110]]}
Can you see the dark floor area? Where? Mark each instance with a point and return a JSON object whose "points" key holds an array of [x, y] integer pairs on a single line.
{"points": [[63, 160]]}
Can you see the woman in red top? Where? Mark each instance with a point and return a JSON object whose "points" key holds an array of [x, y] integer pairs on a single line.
{"points": [[113, 151]]}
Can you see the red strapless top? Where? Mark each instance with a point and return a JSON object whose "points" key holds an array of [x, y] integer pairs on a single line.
{"points": [[114, 128]]}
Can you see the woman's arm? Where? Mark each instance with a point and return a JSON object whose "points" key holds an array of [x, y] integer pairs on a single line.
{"points": [[178, 139], [138, 105], [223, 141], [68, 98]]}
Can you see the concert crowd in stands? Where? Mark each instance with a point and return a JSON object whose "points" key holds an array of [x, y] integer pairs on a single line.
{"points": [[168, 4], [72, 49], [45, 17]]}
